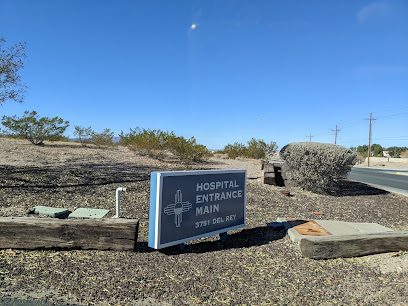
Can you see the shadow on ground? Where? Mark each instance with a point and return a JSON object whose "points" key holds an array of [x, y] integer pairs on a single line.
{"points": [[21, 302], [347, 188], [57, 177], [244, 239]]}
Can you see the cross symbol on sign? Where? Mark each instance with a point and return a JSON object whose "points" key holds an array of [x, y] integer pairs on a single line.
{"points": [[177, 208]]}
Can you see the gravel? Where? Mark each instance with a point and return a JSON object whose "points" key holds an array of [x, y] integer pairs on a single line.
{"points": [[255, 265]]}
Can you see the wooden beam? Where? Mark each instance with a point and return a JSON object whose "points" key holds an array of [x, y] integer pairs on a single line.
{"points": [[269, 178], [39, 233], [353, 245]]}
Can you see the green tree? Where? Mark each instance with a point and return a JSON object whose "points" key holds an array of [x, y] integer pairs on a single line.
{"points": [[35, 129], [363, 150], [11, 61], [376, 150], [83, 133], [396, 151]]}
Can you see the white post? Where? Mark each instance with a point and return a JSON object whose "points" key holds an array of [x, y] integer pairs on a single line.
{"points": [[118, 190]]}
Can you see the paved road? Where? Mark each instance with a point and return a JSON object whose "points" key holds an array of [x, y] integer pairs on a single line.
{"points": [[390, 180]]}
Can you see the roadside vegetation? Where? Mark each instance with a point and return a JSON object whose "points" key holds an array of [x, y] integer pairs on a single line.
{"points": [[377, 151], [159, 144], [317, 167], [34, 128], [104, 138], [398, 151], [256, 148], [156, 143]]}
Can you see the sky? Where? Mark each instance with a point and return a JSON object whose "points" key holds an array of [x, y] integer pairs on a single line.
{"points": [[221, 71]]}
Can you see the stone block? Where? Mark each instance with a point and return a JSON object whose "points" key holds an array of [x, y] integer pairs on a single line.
{"points": [[88, 213], [52, 212]]}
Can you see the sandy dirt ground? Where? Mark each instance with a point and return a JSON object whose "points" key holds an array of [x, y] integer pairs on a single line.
{"points": [[255, 265]]}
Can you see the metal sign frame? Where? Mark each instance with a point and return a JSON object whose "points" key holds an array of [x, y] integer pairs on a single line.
{"points": [[158, 208]]}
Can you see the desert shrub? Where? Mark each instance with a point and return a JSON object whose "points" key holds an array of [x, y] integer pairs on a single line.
{"points": [[83, 134], [220, 155], [317, 167], [35, 129], [151, 142], [404, 154], [58, 138], [12, 136], [155, 142], [187, 150], [256, 148], [235, 150], [105, 138]]}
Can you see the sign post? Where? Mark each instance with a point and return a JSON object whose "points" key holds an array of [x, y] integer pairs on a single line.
{"points": [[188, 205]]}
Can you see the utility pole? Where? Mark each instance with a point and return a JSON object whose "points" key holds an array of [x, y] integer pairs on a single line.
{"points": [[335, 137], [310, 137], [369, 140]]}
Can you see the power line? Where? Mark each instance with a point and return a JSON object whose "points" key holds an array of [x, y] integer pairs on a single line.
{"points": [[353, 124], [401, 114], [397, 137], [394, 109], [350, 123], [392, 138]]}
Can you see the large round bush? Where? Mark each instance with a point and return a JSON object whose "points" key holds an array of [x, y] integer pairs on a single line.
{"points": [[317, 167]]}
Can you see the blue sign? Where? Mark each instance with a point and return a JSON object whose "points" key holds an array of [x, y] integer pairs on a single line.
{"points": [[188, 205]]}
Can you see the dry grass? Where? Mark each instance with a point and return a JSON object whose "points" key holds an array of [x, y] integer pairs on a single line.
{"points": [[404, 154], [254, 266]]}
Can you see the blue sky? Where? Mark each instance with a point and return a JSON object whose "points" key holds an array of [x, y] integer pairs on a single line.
{"points": [[276, 70]]}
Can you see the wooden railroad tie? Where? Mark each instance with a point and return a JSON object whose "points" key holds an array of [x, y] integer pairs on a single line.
{"points": [[353, 245], [44, 233]]}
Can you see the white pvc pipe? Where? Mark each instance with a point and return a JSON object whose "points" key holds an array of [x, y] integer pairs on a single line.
{"points": [[118, 191]]}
